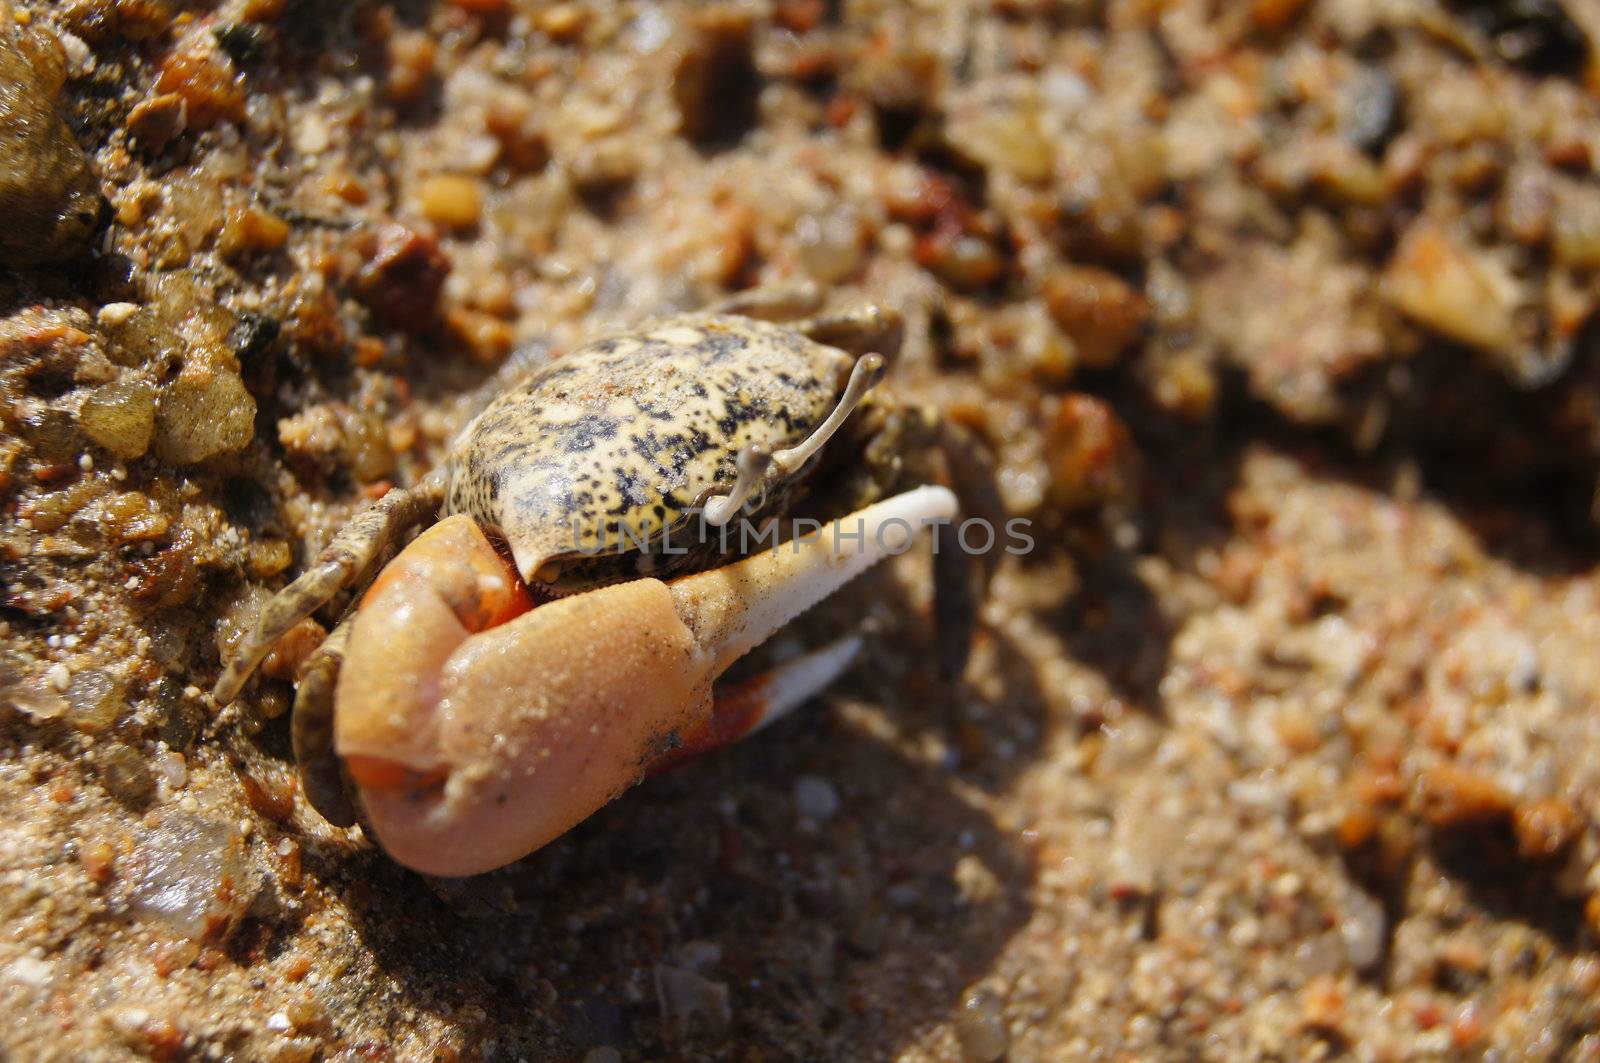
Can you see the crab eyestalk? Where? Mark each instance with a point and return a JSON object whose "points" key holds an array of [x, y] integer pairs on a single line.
{"points": [[754, 463], [476, 732]]}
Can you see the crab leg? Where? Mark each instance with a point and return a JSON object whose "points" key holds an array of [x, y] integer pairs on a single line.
{"points": [[774, 303], [476, 732], [312, 731], [340, 563]]}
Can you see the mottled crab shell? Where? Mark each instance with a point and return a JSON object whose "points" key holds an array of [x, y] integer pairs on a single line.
{"points": [[619, 441]]}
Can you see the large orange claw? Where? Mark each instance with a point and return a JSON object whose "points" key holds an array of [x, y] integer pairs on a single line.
{"points": [[476, 730]]}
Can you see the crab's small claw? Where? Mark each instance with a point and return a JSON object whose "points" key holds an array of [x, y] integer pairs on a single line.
{"points": [[476, 732], [740, 709]]}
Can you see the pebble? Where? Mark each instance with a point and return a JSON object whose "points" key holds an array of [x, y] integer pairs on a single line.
{"points": [[830, 246], [1362, 931], [1454, 289], [35, 699], [981, 1029], [816, 797], [59, 676], [97, 700], [686, 998], [114, 314], [203, 414], [125, 775], [172, 769], [1103, 314], [49, 196], [249, 230], [31, 972], [188, 873], [716, 82], [452, 200]]}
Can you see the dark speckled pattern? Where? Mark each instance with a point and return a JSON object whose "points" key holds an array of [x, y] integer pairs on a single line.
{"points": [[628, 434]]}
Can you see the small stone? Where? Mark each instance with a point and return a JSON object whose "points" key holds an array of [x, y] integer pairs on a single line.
{"points": [[270, 793], [125, 775], [686, 998], [401, 283], [1102, 313], [1545, 828], [267, 558], [312, 135], [1363, 931], [154, 1037], [562, 22], [962, 260], [816, 798], [59, 677], [293, 1050], [172, 769], [1091, 454], [1008, 139], [306, 1014], [486, 337], [251, 230], [49, 197], [452, 200], [132, 517], [96, 698], [97, 858], [113, 315], [1453, 289], [830, 246], [203, 75], [29, 971], [121, 417], [159, 121], [717, 82], [136, 335], [1322, 1004], [1275, 15], [189, 873], [1452, 797], [203, 413], [38, 699], [1576, 237], [981, 1029], [412, 56], [178, 722]]}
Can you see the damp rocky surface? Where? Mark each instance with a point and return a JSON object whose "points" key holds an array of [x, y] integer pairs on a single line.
{"points": [[1276, 318]]}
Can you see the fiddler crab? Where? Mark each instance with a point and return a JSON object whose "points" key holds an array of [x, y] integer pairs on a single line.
{"points": [[545, 644]]}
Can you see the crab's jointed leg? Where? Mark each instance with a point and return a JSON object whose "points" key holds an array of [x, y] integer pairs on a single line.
{"points": [[857, 330], [920, 443], [773, 302], [311, 731], [476, 732], [341, 563]]}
